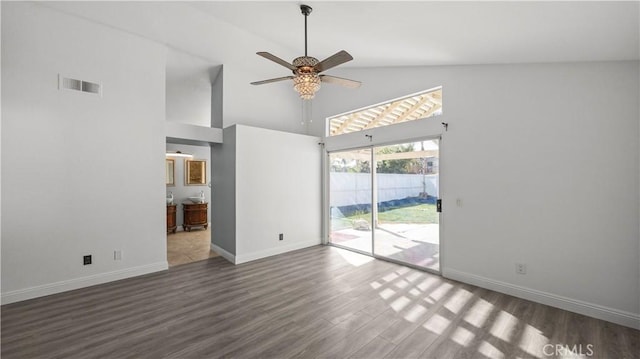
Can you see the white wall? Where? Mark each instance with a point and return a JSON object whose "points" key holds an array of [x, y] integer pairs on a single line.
{"points": [[82, 174], [276, 187], [182, 192], [278, 179], [189, 88], [545, 159], [274, 106]]}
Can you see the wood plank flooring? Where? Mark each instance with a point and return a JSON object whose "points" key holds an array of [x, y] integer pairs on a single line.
{"points": [[319, 302]]}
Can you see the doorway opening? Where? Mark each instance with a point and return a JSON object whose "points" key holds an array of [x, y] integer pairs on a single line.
{"points": [[384, 202], [188, 204]]}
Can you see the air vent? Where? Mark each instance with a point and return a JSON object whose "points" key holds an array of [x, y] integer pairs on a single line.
{"points": [[71, 84], [90, 87], [79, 85]]}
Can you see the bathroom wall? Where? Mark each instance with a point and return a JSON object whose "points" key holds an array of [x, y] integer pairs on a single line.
{"points": [[182, 192]]}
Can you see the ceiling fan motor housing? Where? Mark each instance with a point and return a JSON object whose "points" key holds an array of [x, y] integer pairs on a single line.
{"points": [[305, 64]]}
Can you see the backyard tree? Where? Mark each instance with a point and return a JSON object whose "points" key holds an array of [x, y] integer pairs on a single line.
{"points": [[399, 166]]}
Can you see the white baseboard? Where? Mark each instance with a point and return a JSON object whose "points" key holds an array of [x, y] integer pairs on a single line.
{"points": [[77, 283], [223, 253], [238, 259], [252, 256], [627, 319]]}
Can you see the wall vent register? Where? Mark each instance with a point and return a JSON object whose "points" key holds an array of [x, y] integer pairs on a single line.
{"points": [[68, 83]]}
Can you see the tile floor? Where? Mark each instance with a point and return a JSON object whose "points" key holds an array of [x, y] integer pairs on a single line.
{"points": [[187, 247]]}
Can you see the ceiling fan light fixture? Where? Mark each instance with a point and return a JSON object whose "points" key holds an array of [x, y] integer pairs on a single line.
{"points": [[306, 84], [306, 69]]}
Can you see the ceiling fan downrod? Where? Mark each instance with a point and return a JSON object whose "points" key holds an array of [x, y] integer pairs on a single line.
{"points": [[306, 10]]}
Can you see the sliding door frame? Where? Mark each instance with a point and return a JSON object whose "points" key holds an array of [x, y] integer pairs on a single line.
{"points": [[375, 204], [429, 129]]}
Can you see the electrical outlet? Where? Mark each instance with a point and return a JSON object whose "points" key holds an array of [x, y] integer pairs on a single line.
{"points": [[86, 259], [521, 268], [281, 236], [117, 255]]}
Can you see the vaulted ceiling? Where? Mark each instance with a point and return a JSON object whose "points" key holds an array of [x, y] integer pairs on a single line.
{"points": [[377, 34], [385, 33], [401, 33]]}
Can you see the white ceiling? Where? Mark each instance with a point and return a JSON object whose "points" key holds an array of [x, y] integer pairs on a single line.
{"points": [[386, 33], [381, 33]]}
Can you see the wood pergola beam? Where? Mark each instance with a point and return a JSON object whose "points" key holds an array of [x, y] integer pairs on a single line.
{"points": [[408, 112], [395, 112]]}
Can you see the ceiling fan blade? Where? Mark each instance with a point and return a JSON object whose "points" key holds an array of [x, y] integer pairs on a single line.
{"points": [[340, 81], [334, 60], [276, 59], [272, 80]]}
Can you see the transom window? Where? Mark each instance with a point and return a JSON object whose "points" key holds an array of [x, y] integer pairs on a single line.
{"points": [[409, 108]]}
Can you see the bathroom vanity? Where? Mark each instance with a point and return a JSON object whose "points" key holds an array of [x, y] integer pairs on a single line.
{"points": [[171, 218], [195, 215]]}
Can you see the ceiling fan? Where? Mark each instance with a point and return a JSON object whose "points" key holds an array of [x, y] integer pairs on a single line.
{"points": [[306, 69]]}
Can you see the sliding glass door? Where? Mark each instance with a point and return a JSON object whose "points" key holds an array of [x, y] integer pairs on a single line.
{"points": [[407, 189], [350, 200], [383, 202]]}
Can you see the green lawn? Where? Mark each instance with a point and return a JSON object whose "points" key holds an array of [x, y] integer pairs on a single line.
{"points": [[419, 214]]}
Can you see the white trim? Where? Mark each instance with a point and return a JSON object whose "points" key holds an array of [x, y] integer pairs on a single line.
{"points": [[276, 250], [192, 133], [224, 254], [621, 317], [82, 282], [426, 128]]}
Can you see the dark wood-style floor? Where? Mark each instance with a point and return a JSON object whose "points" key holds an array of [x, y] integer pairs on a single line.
{"points": [[309, 303]]}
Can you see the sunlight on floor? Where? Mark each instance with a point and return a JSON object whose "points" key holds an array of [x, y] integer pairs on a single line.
{"points": [[458, 300], [387, 293], [428, 283], [415, 313], [463, 314], [532, 341], [462, 336], [355, 259], [490, 351], [504, 325], [437, 324], [400, 303], [439, 292], [479, 313]]}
